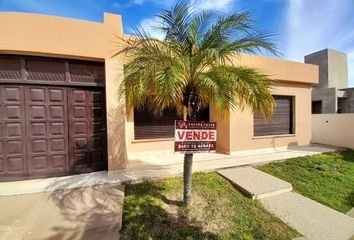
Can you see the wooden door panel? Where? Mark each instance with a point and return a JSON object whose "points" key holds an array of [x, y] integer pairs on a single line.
{"points": [[87, 130], [12, 132], [47, 147]]}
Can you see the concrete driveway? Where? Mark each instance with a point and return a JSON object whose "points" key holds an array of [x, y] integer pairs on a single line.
{"points": [[93, 212]]}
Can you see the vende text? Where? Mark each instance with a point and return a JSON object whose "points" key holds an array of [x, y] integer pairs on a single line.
{"points": [[195, 135]]}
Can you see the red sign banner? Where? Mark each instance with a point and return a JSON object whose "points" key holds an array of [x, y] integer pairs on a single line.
{"points": [[195, 137]]}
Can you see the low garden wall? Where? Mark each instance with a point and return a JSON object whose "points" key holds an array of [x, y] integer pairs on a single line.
{"points": [[333, 129]]}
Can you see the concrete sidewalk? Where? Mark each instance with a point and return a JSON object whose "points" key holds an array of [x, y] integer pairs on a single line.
{"points": [[88, 213], [162, 165], [313, 220]]}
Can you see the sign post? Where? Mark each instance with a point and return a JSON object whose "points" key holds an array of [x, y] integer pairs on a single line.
{"points": [[195, 137]]}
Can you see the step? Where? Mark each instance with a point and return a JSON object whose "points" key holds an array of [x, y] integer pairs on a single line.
{"points": [[311, 219], [255, 183]]}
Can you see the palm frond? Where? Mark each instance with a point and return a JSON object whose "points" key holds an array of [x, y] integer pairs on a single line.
{"points": [[232, 87], [175, 21], [199, 26]]}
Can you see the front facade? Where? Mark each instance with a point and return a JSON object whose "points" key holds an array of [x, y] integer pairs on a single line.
{"points": [[59, 112]]}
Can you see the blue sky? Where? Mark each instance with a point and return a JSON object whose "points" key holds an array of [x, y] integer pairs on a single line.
{"points": [[302, 26]]}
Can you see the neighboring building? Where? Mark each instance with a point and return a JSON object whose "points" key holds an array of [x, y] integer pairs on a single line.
{"points": [[331, 94], [59, 112]]}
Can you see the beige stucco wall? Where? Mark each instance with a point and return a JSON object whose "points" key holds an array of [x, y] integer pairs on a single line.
{"points": [[282, 70], [48, 35], [116, 124], [333, 129], [41, 35]]}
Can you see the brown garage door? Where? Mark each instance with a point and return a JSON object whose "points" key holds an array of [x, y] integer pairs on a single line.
{"points": [[52, 117]]}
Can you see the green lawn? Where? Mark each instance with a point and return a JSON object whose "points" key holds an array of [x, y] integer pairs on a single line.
{"points": [[326, 178], [152, 210]]}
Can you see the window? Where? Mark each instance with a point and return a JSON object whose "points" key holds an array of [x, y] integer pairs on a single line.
{"points": [[149, 126], [342, 102], [281, 122], [316, 107]]}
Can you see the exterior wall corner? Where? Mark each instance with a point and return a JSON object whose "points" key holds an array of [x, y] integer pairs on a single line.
{"points": [[116, 132]]}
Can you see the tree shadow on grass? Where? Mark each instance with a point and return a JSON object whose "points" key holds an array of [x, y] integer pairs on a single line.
{"points": [[347, 156], [153, 189], [149, 214], [350, 199]]}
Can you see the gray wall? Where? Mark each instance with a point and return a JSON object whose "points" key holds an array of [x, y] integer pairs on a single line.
{"points": [[328, 97], [347, 103], [320, 58], [333, 68], [337, 69]]}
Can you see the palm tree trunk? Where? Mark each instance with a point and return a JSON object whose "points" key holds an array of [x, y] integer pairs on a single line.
{"points": [[187, 178], [187, 170], [188, 162]]}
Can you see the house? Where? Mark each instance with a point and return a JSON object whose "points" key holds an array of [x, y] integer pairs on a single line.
{"points": [[331, 94], [59, 113]]}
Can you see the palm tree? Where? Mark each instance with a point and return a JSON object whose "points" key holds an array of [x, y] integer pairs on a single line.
{"points": [[192, 67]]}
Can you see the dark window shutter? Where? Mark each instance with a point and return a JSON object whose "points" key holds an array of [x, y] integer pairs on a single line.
{"points": [[149, 126], [281, 122]]}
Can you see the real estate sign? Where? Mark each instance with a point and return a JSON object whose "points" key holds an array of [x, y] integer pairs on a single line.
{"points": [[195, 137]]}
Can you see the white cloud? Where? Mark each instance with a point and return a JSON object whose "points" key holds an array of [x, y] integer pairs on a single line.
{"points": [[218, 5], [149, 25], [313, 25]]}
